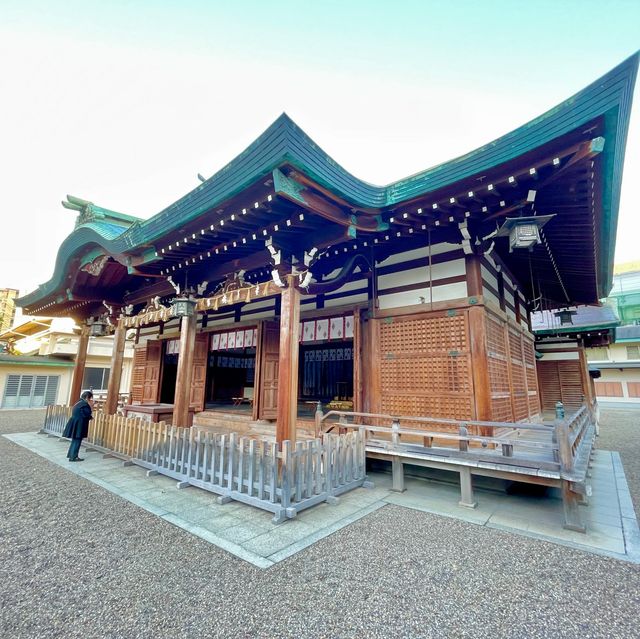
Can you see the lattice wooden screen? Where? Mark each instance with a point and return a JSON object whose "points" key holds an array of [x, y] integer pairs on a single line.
{"points": [[425, 366], [137, 374], [498, 365], [512, 372], [518, 376], [560, 381], [528, 349]]}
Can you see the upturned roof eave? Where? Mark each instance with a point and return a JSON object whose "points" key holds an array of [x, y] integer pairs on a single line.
{"points": [[285, 143]]}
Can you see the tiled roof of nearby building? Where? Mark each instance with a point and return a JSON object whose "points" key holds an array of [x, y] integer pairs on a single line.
{"points": [[627, 333], [584, 318], [33, 360]]}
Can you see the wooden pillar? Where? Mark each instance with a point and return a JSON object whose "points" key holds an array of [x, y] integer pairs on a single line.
{"points": [[357, 361], [474, 275], [288, 363], [480, 363], [78, 371], [115, 374], [466, 488], [185, 371]]}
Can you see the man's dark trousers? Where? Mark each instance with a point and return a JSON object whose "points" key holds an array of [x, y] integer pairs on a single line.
{"points": [[74, 448]]}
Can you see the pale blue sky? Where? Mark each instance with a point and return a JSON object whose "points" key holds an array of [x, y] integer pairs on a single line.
{"points": [[123, 103]]}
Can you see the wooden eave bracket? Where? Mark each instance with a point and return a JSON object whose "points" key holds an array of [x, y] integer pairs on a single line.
{"points": [[298, 193]]}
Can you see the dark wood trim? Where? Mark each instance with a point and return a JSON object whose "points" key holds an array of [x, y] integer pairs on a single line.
{"points": [[334, 311], [501, 299], [420, 262], [185, 371], [288, 363], [257, 379], [78, 369], [455, 279], [421, 309], [115, 374], [473, 275], [490, 288], [357, 361]]}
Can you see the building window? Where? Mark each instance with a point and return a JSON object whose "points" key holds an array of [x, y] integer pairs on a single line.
{"points": [[95, 379], [598, 354], [30, 391], [633, 352]]}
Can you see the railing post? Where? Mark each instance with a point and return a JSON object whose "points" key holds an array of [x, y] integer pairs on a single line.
{"points": [[570, 499], [318, 418], [395, 435], [463, 444]]}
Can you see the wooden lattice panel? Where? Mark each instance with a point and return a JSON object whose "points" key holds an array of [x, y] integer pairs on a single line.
{"points": [[560, 381], [498, 366], [137, 374], [425, 366], [450, 407], [528, 350], [441, 333], [518, 376]]}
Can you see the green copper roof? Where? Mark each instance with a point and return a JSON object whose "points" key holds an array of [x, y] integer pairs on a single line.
{"points": [[285, 143], [34, 360]]}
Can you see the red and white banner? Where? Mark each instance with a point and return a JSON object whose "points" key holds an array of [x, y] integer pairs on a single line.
{"points": [[327, 329], [243, 338], [173, 347]]}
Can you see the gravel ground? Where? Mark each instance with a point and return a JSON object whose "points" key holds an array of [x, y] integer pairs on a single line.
{"points": [[77, 561], [620, 430]]}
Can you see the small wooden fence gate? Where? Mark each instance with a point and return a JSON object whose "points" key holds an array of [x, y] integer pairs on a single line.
{"points": [[283, 482]]}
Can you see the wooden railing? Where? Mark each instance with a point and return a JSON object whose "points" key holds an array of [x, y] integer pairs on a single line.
{"points": [[550, 447], [235, 468]]}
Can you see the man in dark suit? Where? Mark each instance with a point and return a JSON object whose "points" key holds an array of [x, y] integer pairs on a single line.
{"points": [[77, 427]]}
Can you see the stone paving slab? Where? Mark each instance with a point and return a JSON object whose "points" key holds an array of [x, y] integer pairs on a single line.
{"points": [[250, 534]]}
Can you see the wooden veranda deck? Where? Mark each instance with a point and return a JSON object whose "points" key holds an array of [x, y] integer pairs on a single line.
{"points": [[551, 454]]}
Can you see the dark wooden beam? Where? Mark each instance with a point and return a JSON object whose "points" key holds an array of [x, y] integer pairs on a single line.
{"points": [[78, 370], [185, 371], [298, 193], [115, 374], [288, 363]]}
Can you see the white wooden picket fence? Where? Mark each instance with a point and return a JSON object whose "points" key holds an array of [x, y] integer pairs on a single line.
{"points": [[255, 472]]}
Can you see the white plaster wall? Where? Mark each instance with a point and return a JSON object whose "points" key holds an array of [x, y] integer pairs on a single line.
{"points": [[440, 294]]}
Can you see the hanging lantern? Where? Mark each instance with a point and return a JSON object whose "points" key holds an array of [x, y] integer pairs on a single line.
{"points": [[523, 232], [183, 307], [565, 316], [98, 328]]}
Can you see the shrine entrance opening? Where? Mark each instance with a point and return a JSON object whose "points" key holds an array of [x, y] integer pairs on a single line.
{"points": [[169, 371], [326, 364], [231, 367]]}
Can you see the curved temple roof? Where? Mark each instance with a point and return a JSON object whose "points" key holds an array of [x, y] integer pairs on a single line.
{"points": [[284, 143]]}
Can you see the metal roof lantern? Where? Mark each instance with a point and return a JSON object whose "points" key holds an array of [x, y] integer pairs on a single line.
{"points": [[566, 316], [184, 306], [523, 232], [98, 327]]}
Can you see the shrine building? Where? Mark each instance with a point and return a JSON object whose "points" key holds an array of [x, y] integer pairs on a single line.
{"points": [[284, 281]]}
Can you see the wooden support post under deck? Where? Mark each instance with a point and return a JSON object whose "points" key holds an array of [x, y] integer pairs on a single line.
{"points": [[397, 475], [78, 371], [571, 505], [466, 488], [185, 371], [288, 363], [115, 374]]}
